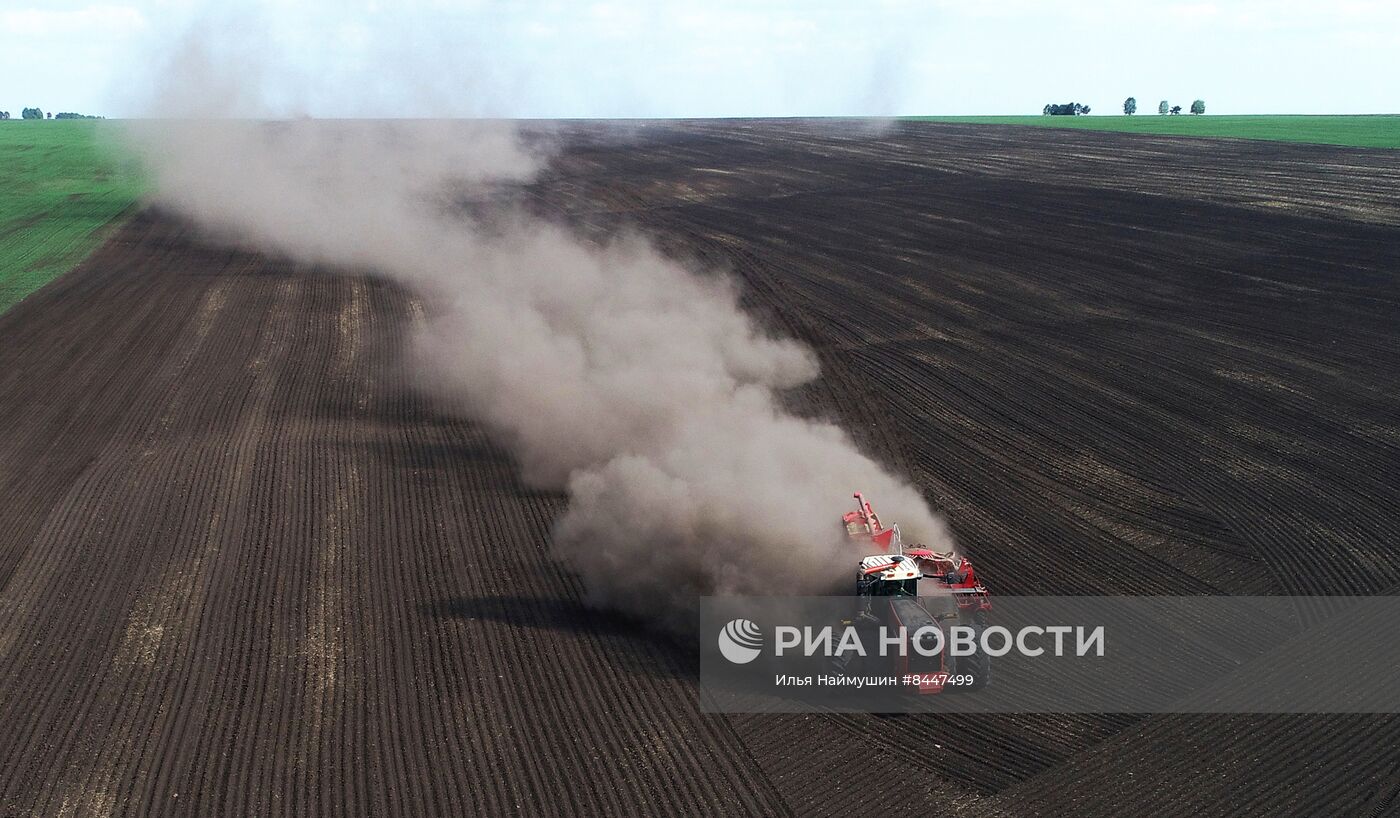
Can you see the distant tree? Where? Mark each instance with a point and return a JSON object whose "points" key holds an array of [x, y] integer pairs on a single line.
{"points": [[4, 114], [49, 115], [1198, 107], [1176, 109], [1084, 109], [1130, 106], [1162, 107], [1068, 109], [1047, 110], [31, 113], [71, 115]]}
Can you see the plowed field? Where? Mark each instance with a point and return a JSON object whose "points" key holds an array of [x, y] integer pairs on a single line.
{"points": [[248, 569]]}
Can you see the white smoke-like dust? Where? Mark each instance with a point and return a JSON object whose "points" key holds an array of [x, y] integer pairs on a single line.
{"points": [[613, 373]]}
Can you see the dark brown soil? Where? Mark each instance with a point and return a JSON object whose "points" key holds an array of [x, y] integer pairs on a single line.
{"points": [[248, 570]]}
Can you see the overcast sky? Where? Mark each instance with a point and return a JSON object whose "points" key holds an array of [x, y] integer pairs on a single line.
{"points": [[714, 57]]}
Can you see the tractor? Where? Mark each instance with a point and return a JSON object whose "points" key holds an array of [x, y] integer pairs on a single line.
{"points": [[916, 587]]}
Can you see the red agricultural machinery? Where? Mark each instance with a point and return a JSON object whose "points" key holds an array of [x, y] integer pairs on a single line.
{"points": [[916, 588]]}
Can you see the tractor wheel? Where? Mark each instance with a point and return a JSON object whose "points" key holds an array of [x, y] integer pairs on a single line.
{"points": [[978, 665]]}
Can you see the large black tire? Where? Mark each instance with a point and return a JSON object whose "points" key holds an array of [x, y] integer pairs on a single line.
{"points": [[978, 665]]}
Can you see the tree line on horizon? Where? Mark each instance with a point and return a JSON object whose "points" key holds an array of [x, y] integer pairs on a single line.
{"points": [[1068, 109], [1129, 108], [1163, 107], [37, 113]]}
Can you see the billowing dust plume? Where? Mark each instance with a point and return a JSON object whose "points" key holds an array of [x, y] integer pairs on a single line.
{"points": [[613, 373]]}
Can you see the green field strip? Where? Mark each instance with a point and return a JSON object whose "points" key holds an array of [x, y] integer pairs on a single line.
{"points": [[1362, 131], [60, 186]]}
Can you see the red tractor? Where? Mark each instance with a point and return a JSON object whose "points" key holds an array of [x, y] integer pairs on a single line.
{"points": [[915, 587]]}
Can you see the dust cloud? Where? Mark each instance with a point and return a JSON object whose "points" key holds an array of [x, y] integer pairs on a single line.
{"points": [[636, 385]]}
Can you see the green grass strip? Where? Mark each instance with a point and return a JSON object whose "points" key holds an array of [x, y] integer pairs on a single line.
{"points": [[59, 186], [1362, 131]]}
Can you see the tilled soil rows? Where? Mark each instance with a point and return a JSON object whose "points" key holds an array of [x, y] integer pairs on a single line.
{"points": [[250, 569]]}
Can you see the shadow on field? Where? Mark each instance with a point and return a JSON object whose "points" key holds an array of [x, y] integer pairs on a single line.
{"points": [[633, 646]]}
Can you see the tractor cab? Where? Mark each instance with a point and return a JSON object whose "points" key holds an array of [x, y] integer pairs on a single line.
{"points": [[885, 575], [888, 588]]}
